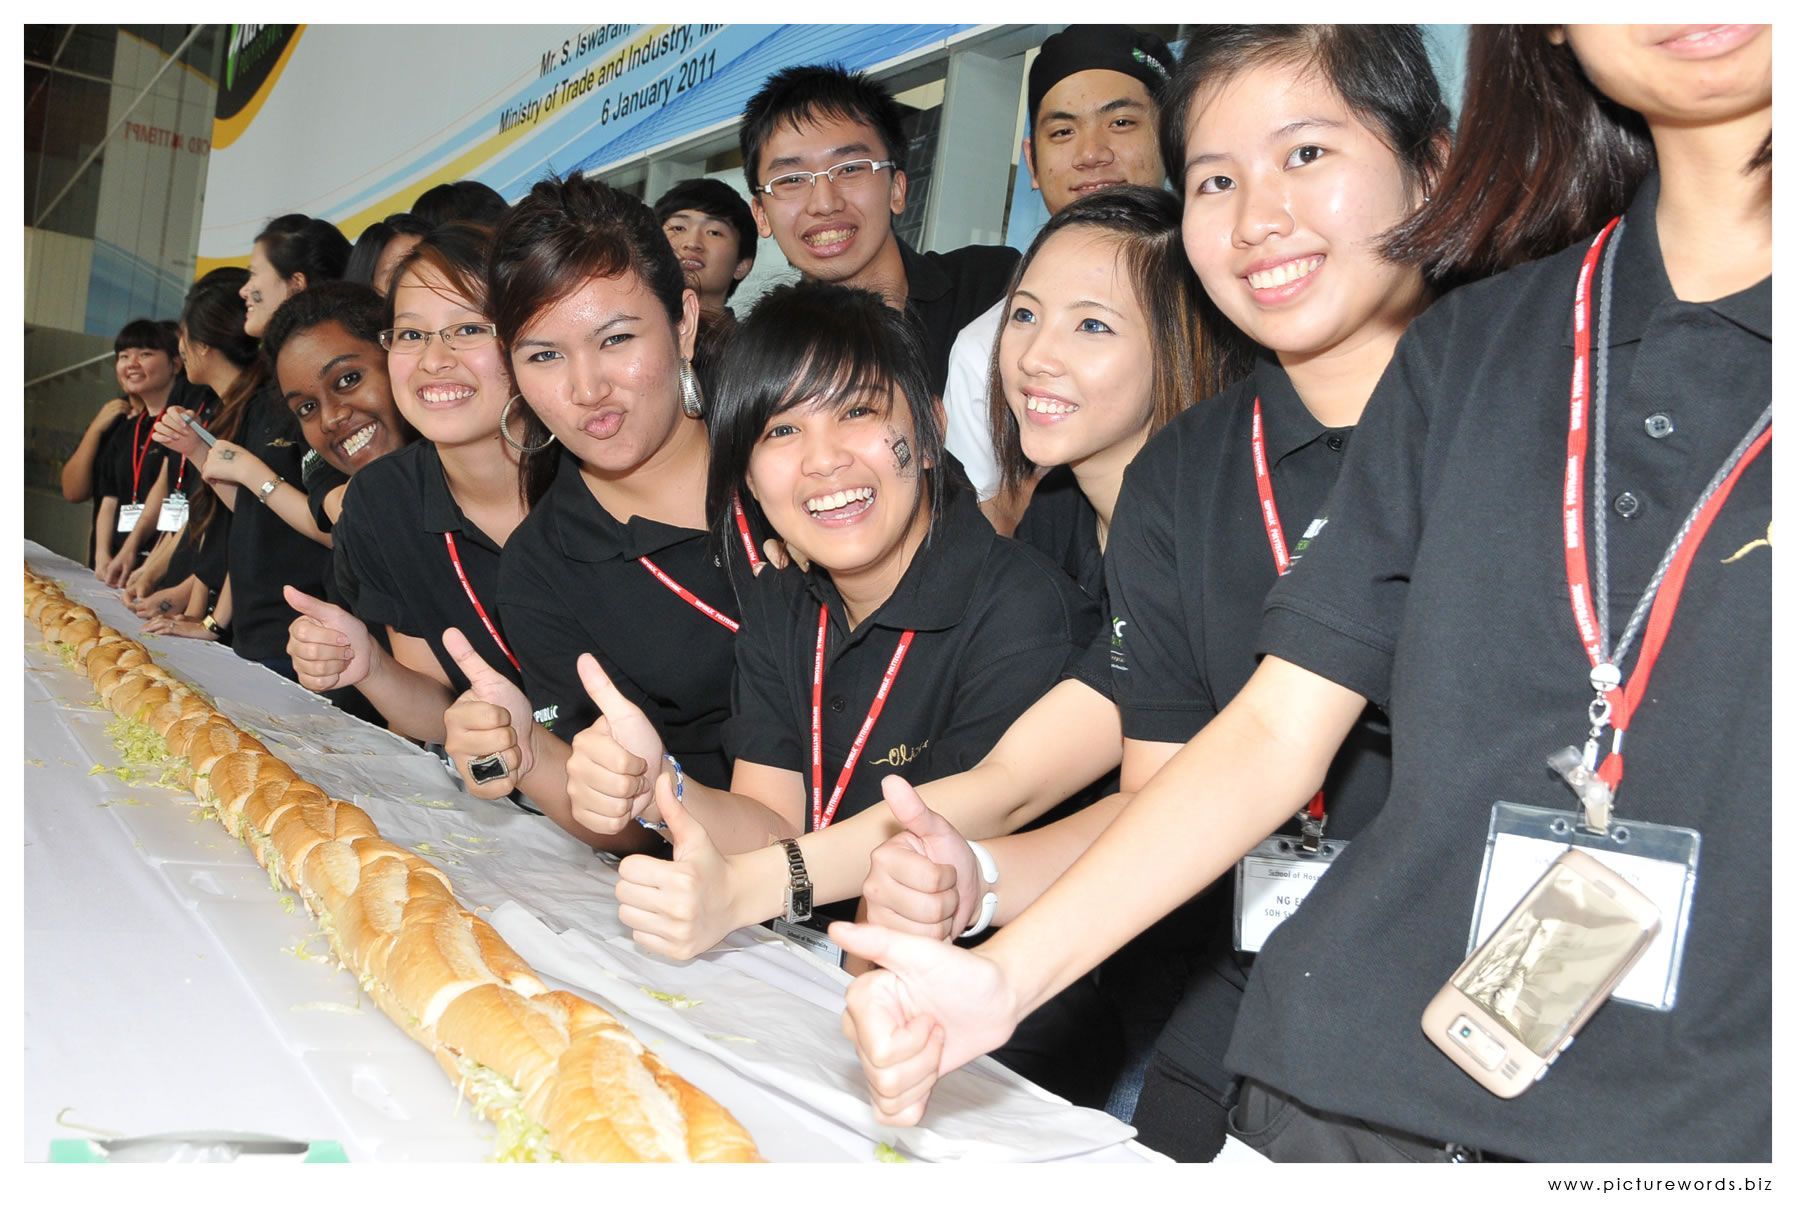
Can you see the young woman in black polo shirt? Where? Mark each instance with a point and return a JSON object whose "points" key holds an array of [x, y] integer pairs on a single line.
{"points": [[274, 541], [126, 461], [417, 545], [614, 559], [914, 639], [1443, 587]]}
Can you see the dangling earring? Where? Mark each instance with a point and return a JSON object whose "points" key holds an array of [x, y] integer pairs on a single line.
{"points": [[505, 429], [691, 397]]}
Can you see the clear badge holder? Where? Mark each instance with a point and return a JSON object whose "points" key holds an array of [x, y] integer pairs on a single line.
{"points": [[173, 515], [128, 514], [1660, 860], [1272, 881]]}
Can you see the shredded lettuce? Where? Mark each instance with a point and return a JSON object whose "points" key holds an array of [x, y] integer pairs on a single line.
{"points": [[886, 1153], [521, 1138], [672, 999], [143, 749]]}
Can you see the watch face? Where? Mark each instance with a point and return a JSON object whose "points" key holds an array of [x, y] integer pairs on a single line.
{"points": [[800, 907]]}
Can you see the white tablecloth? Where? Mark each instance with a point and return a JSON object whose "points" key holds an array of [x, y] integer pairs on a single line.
{"points": [[168, 988]]}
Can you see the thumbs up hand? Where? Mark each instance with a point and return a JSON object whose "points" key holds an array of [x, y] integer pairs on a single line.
{"points": [[933, 1008], [924, 880], [680, 908], [329, 646], [491, 718], [610, 773]]}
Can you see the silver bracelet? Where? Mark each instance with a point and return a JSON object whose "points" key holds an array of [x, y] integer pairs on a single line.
{"points": [[679, 793]]}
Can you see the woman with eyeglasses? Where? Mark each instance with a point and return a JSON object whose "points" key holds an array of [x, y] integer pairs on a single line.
{"points": [[417, 546], [598, 326]]}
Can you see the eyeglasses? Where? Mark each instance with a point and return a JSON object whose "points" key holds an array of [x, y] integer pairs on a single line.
{"points": [[463, 336], [850, 174]]}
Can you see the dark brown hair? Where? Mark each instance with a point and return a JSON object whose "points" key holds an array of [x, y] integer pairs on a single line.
{"points": [[1543, 159], [213, 315], [1142, 226], [563, 233]]}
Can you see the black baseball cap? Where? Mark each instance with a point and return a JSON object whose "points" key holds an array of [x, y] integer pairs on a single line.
{"points": [[1122, 48]]}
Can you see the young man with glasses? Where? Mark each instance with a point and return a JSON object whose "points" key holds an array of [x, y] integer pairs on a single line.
{"points": [[824, 153]]}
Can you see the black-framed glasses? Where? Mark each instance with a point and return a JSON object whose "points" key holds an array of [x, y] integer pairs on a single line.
{"points": [[462, 336], [848, 174]]}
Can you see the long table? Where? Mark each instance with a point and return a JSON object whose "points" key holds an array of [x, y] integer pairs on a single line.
{"points": [[169, 988]]}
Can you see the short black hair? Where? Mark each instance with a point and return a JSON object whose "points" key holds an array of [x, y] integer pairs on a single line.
{"points": [[803, 94], [460, 201], [364, 257], [715, 199], [812, 343], [357, 308], [148, 334]]}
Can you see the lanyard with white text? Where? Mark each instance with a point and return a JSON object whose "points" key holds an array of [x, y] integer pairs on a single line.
{"points": [[702, 607], [1315, 814], [455, 559], [741, 525], [1614, 706], [820, 817]]}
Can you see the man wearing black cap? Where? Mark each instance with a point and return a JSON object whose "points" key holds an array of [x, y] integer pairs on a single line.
{"points": [[1093, 122]]}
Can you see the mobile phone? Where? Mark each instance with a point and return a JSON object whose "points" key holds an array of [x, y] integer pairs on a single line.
{"points": [[209, 439], [1516, 1003]]}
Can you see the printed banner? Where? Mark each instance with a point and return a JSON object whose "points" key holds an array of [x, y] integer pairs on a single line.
{"points": [[351, 123]]}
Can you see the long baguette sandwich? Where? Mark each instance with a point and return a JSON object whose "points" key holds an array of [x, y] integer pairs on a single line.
{"points": [[560, 1077]]}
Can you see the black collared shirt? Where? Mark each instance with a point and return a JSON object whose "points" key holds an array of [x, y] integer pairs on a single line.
{"points": [[1439, 589], [995, 625], [266, 554], [1189, 567], [319, 478], [571, 582], [948, 289], [392, 563], [1062, 523]]}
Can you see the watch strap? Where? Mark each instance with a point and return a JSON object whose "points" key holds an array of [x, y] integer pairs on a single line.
{"points": [[798, 887]]}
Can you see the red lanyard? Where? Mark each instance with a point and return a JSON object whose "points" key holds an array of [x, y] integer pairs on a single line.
{"points": [[139, 456], [821, 817], [455, 560], [1621, 702], [741, 525], [697, 603], [1317, 810]]}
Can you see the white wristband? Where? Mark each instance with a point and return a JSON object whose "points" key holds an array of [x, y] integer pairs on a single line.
{"points": [[988, 905]]}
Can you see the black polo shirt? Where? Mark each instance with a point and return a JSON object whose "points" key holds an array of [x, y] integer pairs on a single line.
{"points": [[1062, 523], [570, 583], [995, 625], [319, 477], [392, 565], [948, 289], [1438, 588], [266, 554], [1189, 566]]}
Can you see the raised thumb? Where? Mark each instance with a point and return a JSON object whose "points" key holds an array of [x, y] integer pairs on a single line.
{"points": [[900, 952], [305, 604], [478, 672], [687, 833], [909, 808], [602, 690]]}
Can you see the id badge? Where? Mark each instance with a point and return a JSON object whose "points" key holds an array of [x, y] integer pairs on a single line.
{"points": [[128, 514], [174, 513], [810, 939], [1660, 860], [1270, 884]]}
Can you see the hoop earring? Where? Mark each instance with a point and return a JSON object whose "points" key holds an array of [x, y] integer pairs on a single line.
{"points": [[505, 429], [691, 397]]}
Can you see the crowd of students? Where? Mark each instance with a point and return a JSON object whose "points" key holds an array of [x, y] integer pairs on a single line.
{"points": [[1003, 604]]}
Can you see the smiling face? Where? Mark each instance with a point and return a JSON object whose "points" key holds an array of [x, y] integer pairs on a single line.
{"points": [[144, 370], [1286, 192], [264, 292], [1095, 129], [1075, 353], [335, 383], [837, 230], [709, 249], [600, 368], [841, 485], [452, 397], [1677, 74]]}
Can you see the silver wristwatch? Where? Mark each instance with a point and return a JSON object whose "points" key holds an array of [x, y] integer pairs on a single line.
{"points": [[267, 490], [797, 890]]}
